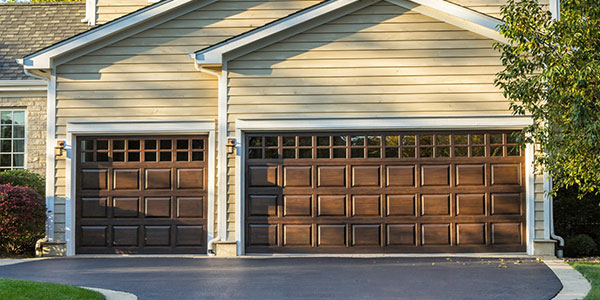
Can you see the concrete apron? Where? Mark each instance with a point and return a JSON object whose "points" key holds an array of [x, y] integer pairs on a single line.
{"points": [[112, 295], [575, 286]]}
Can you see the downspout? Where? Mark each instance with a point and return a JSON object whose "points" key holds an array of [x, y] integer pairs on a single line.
{"points": [[90, 12], [49, 236], [220, 217], [561, 241]]}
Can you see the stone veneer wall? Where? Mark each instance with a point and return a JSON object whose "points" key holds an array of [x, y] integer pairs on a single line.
{"points": [[35, 108]]}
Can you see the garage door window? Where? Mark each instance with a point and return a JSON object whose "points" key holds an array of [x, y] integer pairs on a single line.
{"points": [[146, 150], [401, 146]]}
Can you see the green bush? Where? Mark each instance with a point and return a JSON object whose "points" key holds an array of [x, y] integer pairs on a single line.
{"points": [[579, 245], [574, 216], [24, 178], [22, 219]]}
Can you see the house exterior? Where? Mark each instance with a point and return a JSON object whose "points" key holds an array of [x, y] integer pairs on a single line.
{"points": [[296, 126], [28, 27]]}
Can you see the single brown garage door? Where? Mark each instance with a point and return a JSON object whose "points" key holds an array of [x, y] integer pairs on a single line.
{"points": [[141, 194], [384, 192]]}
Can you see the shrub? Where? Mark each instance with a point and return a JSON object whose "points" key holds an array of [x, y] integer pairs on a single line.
{"points": [[573, 216], [579, 245], [24, 178], [22, 219]]}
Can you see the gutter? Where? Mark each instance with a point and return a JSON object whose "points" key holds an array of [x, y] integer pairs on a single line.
{"points": [[222, 140]]}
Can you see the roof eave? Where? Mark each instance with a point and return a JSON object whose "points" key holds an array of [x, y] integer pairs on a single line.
{"points": [[448, 12], [213, 55], [43, 59]]}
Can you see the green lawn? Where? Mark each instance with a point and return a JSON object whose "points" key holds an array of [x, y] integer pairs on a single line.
{"points": [[25, 290], [591, 271]]}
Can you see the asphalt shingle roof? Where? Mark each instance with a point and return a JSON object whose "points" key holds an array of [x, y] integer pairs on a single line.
{"points": [[28, 27]]}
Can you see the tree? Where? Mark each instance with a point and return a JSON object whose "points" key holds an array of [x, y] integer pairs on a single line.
{"points": [[552, 73]]}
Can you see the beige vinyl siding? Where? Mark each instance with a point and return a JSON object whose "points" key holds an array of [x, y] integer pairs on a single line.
{"points": [[488, 7], [149, 76], [539, 195], [108, 10], [379, 61], [22, 89]]}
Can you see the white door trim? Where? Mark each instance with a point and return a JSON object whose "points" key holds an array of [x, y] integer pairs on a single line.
{"points": [[377, 123], [83, 128], [505, 122]]}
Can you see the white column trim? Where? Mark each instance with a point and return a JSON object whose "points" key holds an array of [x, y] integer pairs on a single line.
{"points": [[222, 133], [50, 143], [83, 128], [547, 201], [210, 222], [376, 123], [239, 192], [530, 197]]}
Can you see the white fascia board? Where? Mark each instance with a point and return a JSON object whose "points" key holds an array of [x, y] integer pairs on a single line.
{"points": [[387, 123], [461, 12], [141, 126], [214, 55], [438, 9], [456, 15], [43, 59]]}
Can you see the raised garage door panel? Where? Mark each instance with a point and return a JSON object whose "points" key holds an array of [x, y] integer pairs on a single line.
{"points": [[141, 194], [384, 192]]}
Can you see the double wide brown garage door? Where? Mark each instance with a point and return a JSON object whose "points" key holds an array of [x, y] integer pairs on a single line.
{"points": [[384, 192], [141, 194]]}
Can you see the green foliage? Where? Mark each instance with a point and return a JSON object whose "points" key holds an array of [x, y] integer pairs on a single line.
{"points": [[573, 216], [24, 178], [22, 219], [579, 245], [22, 290], [552, 72], [591, 272]]}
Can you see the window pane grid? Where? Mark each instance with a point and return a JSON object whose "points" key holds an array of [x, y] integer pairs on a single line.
{"points": [[12, 139], [178, 149], [437, 145]]}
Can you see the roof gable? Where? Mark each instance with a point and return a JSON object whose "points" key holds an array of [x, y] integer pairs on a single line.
{"points": [[44, 59], [27, 27], [326, 11]]}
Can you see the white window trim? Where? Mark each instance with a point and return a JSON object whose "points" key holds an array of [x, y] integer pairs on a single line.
{"points": [[373, 123], [120, 127], [25, 138]]}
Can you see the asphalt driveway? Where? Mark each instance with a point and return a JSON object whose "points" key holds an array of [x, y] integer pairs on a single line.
{"points": [[300, 278]]}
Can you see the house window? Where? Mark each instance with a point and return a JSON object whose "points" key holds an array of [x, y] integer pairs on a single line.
{"points": [[12, 139]]}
